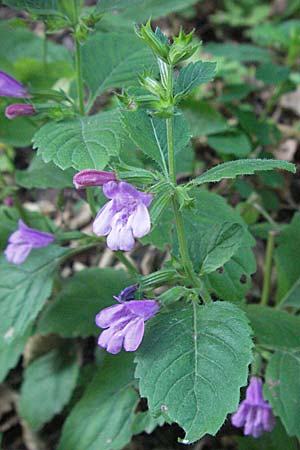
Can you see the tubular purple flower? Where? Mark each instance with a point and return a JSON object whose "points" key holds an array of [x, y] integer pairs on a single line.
{"points": [[124, 323], [19, 109], [9, 87], [125, 217], [22, 241], [254, 413], [90, 177]]}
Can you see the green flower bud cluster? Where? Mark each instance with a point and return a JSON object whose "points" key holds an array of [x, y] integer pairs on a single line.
{"points": [[182, 48]]}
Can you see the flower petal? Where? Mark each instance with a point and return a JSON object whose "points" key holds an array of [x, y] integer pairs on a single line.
{"points": [[143, 308], [239, 418], [120, 237], [110, 189], [103, 220], [111, 340], [134, 333], [107, 316], [140, 221], [17, 253]]}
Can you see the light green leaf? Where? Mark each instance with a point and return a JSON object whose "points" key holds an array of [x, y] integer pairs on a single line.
{"points": [[108, 64], [192, 363], [282, 389], [82, 143], [48, 385], [72, 312], [25, 287], [145, 423], [103, 418], [274, 329], [232, 142], [203, 118], [141, 10], [42, 175], [287, 259], [239, 52], [232, 169], [35, 6], [150, 134], [193, 75], [17, 132], [18, 43], [10, 352], [219, 244]]}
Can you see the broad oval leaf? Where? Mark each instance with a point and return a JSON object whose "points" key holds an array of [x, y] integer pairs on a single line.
{"points": [[282, 389], [24, 288], [82, 143], [50, 378], [193, 75], [104, 416], [72, 312], [192, 363], [107, 63]]}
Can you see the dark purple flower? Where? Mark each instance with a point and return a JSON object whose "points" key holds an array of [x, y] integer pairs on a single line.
{"points": [[22, 241], [254, 413], [124, 322], [9, 87], [19, 109], [90, 177], [125, 217]]}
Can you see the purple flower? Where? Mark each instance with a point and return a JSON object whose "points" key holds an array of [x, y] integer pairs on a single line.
{"points": [[91, 177], [22, 241], [254, 413], [125, 217], [19, 109], [124, 322], [9, 87], [8, 201]]}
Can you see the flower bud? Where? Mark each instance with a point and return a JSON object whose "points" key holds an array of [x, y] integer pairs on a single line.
{"points": [[18, 110], [9, 87], [182, 47], [152, 85], [90, 177], [159, 45]]}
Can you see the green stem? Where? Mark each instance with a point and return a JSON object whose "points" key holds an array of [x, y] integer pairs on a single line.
{"points": [[128, 264], [45, 49], [171, 150], [91, 201], [79, 75], [186, 261], [268, 268]]}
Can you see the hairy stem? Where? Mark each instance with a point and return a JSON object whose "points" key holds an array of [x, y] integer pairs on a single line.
{"points": [[186, 261], [79, 75]]}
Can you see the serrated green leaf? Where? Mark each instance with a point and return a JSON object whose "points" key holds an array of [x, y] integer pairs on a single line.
{"points": [[82, 143], [192, 363], [44, 175], [219, 244], [10, 352], [150, 135], [35, 6], [141, 10], [103, 418], [233, 142], [48, 385], [232, 169], [121, 66], [282, 389], [72, 312], [24, 288], [192, 75], [274, 329]]}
